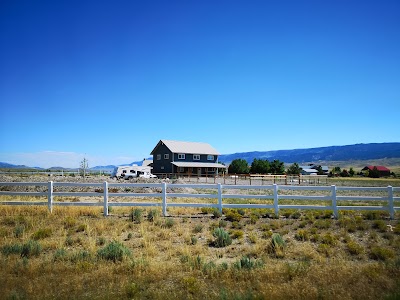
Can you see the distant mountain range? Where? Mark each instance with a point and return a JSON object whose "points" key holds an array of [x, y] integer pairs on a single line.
{"points": [[331, 153], [370, 151]]}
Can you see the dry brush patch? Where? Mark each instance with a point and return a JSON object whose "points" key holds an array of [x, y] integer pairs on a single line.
{"points": [[82, 254]]}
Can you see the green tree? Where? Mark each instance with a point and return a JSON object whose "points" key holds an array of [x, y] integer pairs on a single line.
{"points": [[374, 173], [260, 166], [351, 172], [239, 166], [277, 167], [294, 169]]}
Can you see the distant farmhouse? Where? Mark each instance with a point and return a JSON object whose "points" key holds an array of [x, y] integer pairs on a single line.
{"points": [[312, 169], [383, 171], [191, 158]]}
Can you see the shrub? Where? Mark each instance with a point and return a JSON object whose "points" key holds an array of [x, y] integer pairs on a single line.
{"points": [[198, 228], [81, 228], [31, 248], [11, 249], [42, 234], [216, 213], [222, 223], [247, 263], [302, 235], [168, 223], [237, 234], [222, 238], [193, 240], [380, 253], [354, 248], [19, 231], [380, 225], [114, 251], [136, 215], [277, 245], [233, 216], [152, 215]]}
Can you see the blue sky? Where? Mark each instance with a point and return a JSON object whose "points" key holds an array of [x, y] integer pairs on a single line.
{"points": [[109, 79]]}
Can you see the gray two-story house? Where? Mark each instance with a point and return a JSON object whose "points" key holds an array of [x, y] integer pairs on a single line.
{"points": [[189, 158]]}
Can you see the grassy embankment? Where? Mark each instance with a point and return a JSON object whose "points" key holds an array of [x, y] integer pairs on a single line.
{"points": [[76, 253]]}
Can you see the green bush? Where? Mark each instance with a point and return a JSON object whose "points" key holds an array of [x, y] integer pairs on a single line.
{"points": [[114, 251], [354, 248], [136, 215], [152, 215], [237, 234], [380, 253], [198, 228], [168, 223], [233, 216], [379, 225], [216, 213], [42, 234], [247, 263], [302, 235], [277, 245], [31, 248], [222, 238], [19, 231]]}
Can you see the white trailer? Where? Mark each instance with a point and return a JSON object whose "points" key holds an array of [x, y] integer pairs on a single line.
{"points": [[128, 172]]}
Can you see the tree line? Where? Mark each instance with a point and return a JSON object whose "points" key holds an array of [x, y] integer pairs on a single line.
{"points": [[262, 166]]}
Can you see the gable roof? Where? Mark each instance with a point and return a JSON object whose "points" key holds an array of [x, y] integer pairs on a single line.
{"points": [[379, 168], [187, 147]]}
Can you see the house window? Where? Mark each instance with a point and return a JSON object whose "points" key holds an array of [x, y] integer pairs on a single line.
{"points": [[210, 157], [211, 169], [162, 167], [166, 156], [158, 156], [181, 169], [181, 156], [196, 156]]}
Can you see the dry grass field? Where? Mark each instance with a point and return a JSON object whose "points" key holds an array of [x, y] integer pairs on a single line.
{"points": [[76, 253]]}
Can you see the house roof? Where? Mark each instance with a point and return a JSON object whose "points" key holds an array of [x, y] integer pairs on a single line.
{"points": [[379, 168], [197, 164], [308, 170], [187, 147]]}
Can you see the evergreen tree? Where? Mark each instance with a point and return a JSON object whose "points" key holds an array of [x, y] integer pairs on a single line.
{"points": [[239, 166], [260, 166], [294, 169], [277, 167]]}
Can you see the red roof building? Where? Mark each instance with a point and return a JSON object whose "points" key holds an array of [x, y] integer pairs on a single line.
{"points": [[383, 171]]}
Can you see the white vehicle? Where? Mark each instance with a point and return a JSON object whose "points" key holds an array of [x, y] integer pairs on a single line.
{"points": [[128, 172]]}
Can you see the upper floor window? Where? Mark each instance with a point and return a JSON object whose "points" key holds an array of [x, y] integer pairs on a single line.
{"points": [[181, 156], [196, 156], [166, 156], [210, 157], [158, 156]]}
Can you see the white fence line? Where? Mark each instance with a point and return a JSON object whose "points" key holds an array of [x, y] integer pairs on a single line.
{"points": [[219, 194]]}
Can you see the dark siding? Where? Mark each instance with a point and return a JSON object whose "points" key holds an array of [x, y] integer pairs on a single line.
{"points": [[166, 163]]}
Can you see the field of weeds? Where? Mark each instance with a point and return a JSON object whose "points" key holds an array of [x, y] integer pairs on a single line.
{"points": [[76, 253], [134, 253]]}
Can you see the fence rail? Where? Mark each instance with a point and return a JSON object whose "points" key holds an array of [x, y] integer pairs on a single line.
{"points": [[219, 192]]}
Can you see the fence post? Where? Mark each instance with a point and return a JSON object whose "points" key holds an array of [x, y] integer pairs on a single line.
{"points": [[391, 202], [276, 206], [105, 201], [220, 198], [50, 196], [164, 199], [334, 202]]}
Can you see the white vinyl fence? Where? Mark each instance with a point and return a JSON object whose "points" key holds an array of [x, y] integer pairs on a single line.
{"points": [[165, 191]]}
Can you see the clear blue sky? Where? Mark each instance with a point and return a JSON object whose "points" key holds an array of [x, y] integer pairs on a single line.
{"points": [[109, 79]]}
